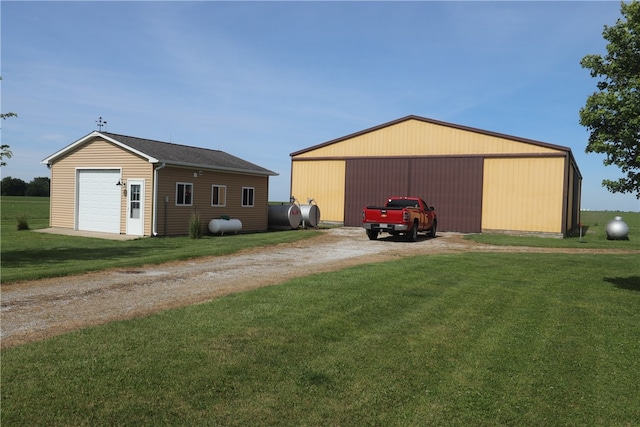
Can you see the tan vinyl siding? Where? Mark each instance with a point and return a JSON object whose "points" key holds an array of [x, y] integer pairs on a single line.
{"points": [[523, 195], [62, 196], [96, 154], [323, 181], [417, 138], [176, 221]]}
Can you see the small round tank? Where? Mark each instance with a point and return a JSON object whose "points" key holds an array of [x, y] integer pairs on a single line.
{"points": [[310, 215], [221, 226], [284, 217], [617, 229]]}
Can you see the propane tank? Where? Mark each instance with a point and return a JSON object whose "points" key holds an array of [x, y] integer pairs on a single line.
{"points": [[617, 229], [225, 225]]}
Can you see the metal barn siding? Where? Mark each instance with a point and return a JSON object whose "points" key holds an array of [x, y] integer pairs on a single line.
{"points": [[509, 183], [370, 182], [452, 185], [323, 181], [421, 137], [576, 197], [573, 199], [523, 194]]}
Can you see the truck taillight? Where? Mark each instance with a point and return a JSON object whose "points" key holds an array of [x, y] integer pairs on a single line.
{"points": [[363, 214], [405, 216]]}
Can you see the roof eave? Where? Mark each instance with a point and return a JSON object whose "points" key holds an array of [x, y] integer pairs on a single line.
{"points": [[217, 168], [85, 139]]}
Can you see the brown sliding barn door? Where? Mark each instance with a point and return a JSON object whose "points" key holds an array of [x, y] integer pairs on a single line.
{"points": [[453, 185]]}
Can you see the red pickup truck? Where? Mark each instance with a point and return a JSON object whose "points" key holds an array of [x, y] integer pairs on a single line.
{"points": [[401, 215]]}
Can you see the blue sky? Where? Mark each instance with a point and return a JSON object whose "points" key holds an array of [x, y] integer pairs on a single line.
{"points": [[261, 80]]}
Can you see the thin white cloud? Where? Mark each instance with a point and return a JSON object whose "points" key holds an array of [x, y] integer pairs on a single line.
{"points": [[260, 80]]}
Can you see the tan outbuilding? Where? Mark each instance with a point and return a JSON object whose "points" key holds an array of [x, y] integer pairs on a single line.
{"points": [[120, 184], [478, 181]]}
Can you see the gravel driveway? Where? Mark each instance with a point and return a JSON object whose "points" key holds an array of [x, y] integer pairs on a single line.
{"points": [[36, 310]]}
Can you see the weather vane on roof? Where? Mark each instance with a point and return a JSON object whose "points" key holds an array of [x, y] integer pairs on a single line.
{"points": [[101, 123]]}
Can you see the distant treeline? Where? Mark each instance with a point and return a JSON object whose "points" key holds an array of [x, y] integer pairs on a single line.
{"points": [[17, 187]]}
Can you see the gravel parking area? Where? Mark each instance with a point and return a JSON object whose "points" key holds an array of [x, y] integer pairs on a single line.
{"points": [[40, 309]]}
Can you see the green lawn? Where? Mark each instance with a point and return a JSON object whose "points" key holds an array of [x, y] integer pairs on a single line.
{"points": [[594, 235], [472, 339], [28, 255], [36, 209], [447, 340]]}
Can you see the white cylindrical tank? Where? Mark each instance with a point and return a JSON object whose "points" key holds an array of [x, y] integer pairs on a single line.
{"points": [[284, 217], [310, 215], [221, 226]]}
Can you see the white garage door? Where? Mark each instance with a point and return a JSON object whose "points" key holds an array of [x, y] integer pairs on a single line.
{"points": [[99, 200]]}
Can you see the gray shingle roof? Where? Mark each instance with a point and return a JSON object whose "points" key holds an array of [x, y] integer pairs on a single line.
{"points": [[183, 155]]}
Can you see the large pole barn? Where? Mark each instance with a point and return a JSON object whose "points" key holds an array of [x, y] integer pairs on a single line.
{"points": [[478, 181]]}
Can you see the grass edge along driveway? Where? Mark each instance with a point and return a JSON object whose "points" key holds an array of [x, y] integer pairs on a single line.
{"points": [[468, 339], [28, 256]]}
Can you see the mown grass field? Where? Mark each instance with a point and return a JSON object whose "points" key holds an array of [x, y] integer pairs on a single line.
{"points": [[448, 340], [28, 255], [477, 339], [593, 236]]}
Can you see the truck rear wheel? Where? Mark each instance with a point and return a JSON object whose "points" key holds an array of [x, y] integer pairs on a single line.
{"points": [[372, 234], [412, 235]]}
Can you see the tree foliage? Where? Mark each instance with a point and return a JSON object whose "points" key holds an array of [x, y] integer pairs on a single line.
{"points": [[17, 187], [612, 115], [38, 187], [5, 152], [13, 186]]}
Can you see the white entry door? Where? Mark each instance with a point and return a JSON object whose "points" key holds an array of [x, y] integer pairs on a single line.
{"points": [[135, 207]]}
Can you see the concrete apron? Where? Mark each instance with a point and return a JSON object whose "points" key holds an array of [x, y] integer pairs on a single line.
{"points": [[80, 233]]}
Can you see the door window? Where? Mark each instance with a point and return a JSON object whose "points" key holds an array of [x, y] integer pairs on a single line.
{"points": [[134, 201]]}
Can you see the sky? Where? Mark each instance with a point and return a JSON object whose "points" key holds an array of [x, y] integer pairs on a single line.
{"points": [[260, 80]]}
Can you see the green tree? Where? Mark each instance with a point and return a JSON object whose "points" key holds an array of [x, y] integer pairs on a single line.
{"points": [[612, 115], [13, 187], [5, 153], [38, 187]]}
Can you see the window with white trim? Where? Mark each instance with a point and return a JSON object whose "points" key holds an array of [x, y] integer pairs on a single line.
{"points": [[184, 194], [218, 195], [247, 196]]}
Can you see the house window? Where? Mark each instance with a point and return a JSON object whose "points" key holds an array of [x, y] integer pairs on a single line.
{"points": [[184, 194], [218, 195], [247, 196]]}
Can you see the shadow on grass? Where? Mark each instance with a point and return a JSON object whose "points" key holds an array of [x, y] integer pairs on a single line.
{"points": [[631, 283], [28, 257], [578, 233]]}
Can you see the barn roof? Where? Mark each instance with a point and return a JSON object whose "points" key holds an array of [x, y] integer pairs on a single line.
{"points": [[435, 122], [170, 153]]}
